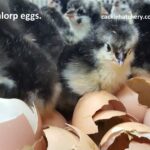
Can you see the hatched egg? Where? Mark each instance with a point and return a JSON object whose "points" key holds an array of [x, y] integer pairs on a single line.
{"points": [[20, 126]]}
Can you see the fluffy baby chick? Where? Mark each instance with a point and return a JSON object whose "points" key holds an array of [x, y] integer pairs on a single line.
{"points": [[107, 4], [27, 71], [100, 62], [61, 23], [64, 5], [131, 8], [55, 4], [25, 68], [81, 15], [142, 61], [54, 12], [121, 7], [77, 21]]}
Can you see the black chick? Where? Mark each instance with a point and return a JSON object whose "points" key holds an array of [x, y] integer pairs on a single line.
{"points": [[81, 15], [64, 5], [57, 4], [25, 68], [142, 61], [100, 62], [107, 4], [54, 13]]}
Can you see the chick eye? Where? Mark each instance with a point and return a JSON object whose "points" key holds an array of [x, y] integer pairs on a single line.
{"points": [[124, 2], [56, 1], [81, 11], [108, 48]]}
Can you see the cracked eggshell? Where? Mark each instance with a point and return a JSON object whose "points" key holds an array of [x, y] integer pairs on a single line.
{"points": [[89, 105], [108, 114], [20, 126], [107, 119], [70, 138], [130, 100], [125, 133], [141, 85], [110, 118]]}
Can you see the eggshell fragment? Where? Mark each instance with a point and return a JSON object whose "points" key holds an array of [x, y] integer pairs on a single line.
{"points": [[69, 139], [84, 139], [107, 119], [17, 133], [125, 132], [141, 85], [89, 105], [130, 99], [104, 115], [20, 126]]}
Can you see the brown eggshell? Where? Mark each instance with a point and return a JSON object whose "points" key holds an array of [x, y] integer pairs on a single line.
{"points": [[69, 139], [89, 105], [123, 140], [108, 114], [141, 85], [20, 126], [17, 133], [131, 127], [130, 99], [107, 119]]}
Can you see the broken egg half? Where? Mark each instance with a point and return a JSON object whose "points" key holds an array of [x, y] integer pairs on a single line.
{"points": [[20, 126], [127, 136], [70, 138], [97, 112]]}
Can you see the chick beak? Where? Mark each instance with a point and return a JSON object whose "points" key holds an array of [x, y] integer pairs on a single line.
{"points": [[121, 58], [70, 13], [104, 11]]}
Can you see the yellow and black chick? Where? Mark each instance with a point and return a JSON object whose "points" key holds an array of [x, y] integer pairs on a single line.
{"points": [[102, 61], [81, 15]]}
